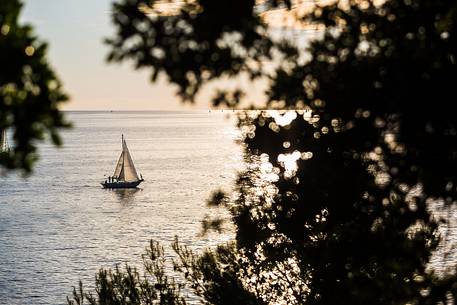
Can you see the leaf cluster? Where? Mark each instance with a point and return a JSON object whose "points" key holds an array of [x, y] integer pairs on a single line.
{"points": [[30, 92]]}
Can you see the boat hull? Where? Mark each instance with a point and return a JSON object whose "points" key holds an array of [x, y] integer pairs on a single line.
{"points": [[121, 184]]}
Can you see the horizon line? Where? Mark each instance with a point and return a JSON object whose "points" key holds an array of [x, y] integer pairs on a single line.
{"points": [[143, 110]]}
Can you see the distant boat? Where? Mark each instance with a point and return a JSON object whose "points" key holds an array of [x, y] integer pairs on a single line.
{"points": [[4, 146], [125, 175]]}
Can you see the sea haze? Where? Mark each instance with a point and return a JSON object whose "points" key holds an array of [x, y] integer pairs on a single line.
{"points": [[59, 226]]}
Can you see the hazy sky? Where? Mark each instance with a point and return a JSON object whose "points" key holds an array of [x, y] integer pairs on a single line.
{"points": [[75, 30]]}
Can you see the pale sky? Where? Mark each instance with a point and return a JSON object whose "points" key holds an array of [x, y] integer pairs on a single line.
{"points": [[75, 30]]}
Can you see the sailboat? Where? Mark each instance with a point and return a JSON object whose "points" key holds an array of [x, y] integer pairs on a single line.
{"points": [[4, 147], [125, 175]]}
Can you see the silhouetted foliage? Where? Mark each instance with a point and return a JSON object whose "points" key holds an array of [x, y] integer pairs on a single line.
{"points": [[213, 277], [334, 205], [129, 287], [29, 90]]}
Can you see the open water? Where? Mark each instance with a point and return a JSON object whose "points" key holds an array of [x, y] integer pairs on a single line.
{"points": [[59, 226]]}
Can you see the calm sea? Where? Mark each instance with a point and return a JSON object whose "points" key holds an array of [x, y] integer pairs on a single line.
{"points": [[59, 226]]}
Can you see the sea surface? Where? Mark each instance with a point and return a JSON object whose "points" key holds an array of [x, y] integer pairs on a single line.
{"points": [[59, 226]]}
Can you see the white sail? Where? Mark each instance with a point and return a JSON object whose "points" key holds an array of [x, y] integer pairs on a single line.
{"points": [[3, 141], [125, 169], [128, 172], [119, 165]]}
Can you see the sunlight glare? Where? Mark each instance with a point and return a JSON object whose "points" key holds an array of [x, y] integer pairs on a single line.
{"points": [[289, 162], [283, 118]]}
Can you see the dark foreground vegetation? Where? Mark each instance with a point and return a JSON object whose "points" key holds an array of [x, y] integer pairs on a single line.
{"points": [[333, 205], [372, 133], [30, 93]]}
